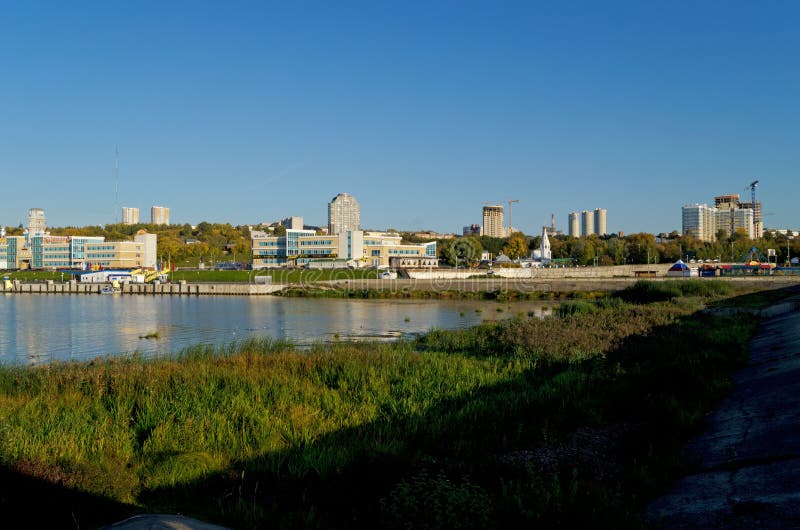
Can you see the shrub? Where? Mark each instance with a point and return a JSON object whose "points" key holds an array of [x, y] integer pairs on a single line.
{"points": [[576, 308], [434, 502], [645, 292]]}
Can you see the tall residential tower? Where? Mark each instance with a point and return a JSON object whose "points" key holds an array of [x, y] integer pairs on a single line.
{"points": [[600, 215], [130, 216], [573, 229], [159, 215], [587, 223], [493, 221], [344, 214]]}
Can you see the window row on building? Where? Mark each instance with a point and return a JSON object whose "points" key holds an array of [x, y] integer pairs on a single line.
{"points": [[367, 249], [703, 222], [43, 251]]}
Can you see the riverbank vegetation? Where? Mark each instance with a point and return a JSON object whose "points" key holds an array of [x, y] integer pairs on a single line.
{"points": [[403, 292], [573, 419]]}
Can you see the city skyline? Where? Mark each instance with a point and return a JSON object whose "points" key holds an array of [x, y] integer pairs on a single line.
{"points": [[245, 113]]}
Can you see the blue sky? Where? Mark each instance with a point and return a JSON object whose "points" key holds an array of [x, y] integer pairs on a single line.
{"points": [[244, 112]]}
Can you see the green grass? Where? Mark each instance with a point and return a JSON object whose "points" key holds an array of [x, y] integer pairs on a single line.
{"points": [[278, 275], [28, 276], [397, 435]]}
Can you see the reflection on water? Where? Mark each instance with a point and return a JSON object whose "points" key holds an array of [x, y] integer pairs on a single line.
{"points": [[41, 328]]}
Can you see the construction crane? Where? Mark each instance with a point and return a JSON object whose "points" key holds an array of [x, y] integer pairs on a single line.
{"points": [[756, 210], [753, 185], [510, 213]]}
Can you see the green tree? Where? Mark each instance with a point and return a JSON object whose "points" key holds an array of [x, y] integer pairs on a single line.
{"points": [[641, 248], [464, 251]]}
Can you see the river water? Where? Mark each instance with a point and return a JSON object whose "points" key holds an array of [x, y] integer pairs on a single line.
{"points": [[39, 329]]}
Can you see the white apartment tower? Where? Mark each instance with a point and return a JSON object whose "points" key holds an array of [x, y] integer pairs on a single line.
{"points": [[344, 214], [600, 215], [587, 223], [159, 215], [573, 229], [37, 223], [493, 221], [699, 221], [130, 216]]}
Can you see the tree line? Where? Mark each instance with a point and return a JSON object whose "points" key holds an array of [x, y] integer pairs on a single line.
{"points": [[638, 248]]}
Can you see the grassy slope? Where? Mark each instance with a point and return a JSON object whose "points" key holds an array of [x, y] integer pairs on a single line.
{"points": [[405, 434]]}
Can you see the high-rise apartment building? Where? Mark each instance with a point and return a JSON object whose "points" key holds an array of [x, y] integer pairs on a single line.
{"points": [[600, 215], [344, 214], [573, 228], [587, 223], [699, 221], [37, 223], [130, 216], [758, 223], [159, 215], [703, 222], [735, 219], [493, 221]]}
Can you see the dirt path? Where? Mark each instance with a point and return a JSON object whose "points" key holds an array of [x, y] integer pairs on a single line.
{"points": [[747, 472]]}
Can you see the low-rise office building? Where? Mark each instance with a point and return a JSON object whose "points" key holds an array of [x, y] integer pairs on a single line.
{"points": [[365, 249], [44, 251]]}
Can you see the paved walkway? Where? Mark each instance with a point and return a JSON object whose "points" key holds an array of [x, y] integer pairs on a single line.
{"points": [[162, 522], [748, 462]]}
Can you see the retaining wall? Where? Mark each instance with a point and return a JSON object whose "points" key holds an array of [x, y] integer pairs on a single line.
{"points": [[617, 271], [245, 289]]}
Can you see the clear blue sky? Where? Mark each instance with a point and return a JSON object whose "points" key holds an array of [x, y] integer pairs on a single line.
{"points": [[252, 111]]}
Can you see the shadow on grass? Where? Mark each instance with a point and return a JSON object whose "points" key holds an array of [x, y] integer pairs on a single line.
{"points": [[27, 502]]}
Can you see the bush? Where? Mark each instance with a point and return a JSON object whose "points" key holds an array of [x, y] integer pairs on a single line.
{"points": [[610, 303], [434, 502], [576, 308], [645, 292]]}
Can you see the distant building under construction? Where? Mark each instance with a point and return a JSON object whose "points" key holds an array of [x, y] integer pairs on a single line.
{"points": [[493, 221]]}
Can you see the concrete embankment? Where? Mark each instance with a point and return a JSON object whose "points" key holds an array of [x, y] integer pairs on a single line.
{"points": [[181, 288], [555, 285], [746, 467], [617, 271]]}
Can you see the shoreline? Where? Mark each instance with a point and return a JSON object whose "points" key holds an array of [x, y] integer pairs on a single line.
{"points": [[482, 288]]}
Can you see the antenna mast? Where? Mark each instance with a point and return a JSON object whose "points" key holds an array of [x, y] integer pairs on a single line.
{"points": [[116, 183]]}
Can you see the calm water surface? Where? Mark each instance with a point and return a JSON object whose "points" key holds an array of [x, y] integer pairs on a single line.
{"points": [[41, 328]]}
